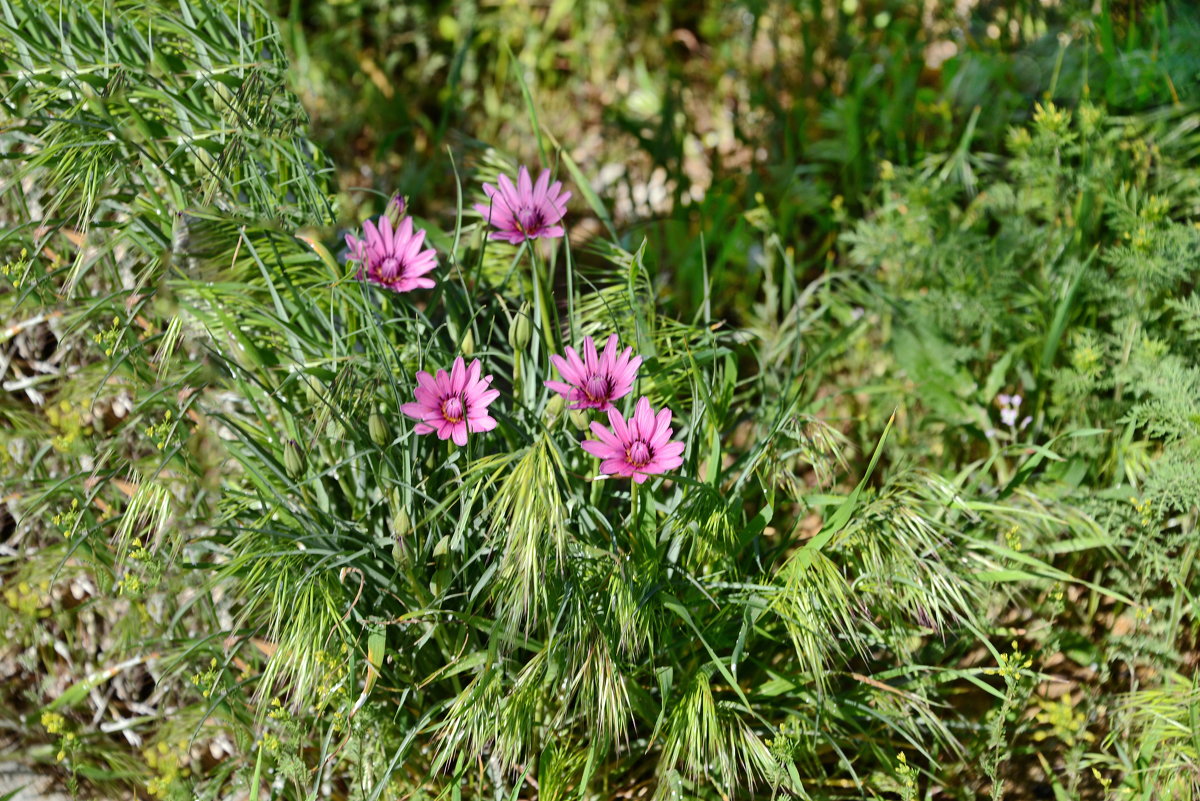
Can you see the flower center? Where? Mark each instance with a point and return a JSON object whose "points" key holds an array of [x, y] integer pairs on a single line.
{"points": [[390, 268], [596, 388], [638, 453], [452, 409], [529, 221]]}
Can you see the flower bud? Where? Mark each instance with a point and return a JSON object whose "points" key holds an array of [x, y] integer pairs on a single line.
{"points": [[293, 458], [377, 427], [553, 409], [401, 528], [580, 419], [442, 548], [401, 525], [395, 210], [468, 343], [399, 552], [518, 335]]}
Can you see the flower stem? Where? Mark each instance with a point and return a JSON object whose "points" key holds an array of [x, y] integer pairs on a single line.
{"points": [[634, 510], [594, 496], [541, 293]]}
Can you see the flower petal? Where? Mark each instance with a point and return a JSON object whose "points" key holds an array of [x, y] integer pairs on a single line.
{"points": [[539, 190], [589, 356], [458, 375], [643, 419], [617, 467], [618, 426], [415, 410], [605, 436], [600, 450], [566, 369], [524, 186], [559, 387]]}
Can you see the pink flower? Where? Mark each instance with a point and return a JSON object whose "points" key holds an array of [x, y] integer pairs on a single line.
{"points": [[595, 382], [638, 448], [393, 258], [451, 405], [525, 211]]}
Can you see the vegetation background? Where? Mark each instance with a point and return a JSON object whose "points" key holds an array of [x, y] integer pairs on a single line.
{"points": [[847, 236]]}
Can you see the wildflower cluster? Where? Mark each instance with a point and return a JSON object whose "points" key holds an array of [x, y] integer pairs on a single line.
{"points": [[1143, 508], [1012, 538], [16, 271], [161, 431], [1010, 410], [332, 692], [67, 520], [109, 338], [454, 404], [1062, 720], [147, 576], [70, 422], [170, 763], [55, 723], [1012, 665], [207, 681], [906, 774], [27, 600], [130, 585], [787, 741]]}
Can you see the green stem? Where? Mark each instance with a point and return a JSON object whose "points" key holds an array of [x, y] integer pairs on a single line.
{"points": [[634, 510], [541, 293], [594, 496]]}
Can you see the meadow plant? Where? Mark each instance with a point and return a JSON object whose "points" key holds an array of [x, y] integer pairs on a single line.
{"points": [[595, 381], [526, 210], [391, 255], [452, 404]]}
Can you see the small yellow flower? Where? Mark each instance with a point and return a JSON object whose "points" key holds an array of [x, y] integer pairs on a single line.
{"points": [[53, 722]]}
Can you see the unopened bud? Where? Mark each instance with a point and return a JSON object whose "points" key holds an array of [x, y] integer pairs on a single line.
{"points": [[553, 409], [442, 548], [377, 427], [395, 210], [293, 458], [518, 335], [580, 419], [401, 525], [399, 552], [468, 343], [401, 528]]}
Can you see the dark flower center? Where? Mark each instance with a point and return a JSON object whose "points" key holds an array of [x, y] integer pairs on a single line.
{"points": [[638, 453], [529, 221], [452, 409], [597, 388]]}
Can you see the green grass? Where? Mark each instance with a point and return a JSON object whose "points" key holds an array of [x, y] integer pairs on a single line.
{"points": [[229, 568]]}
